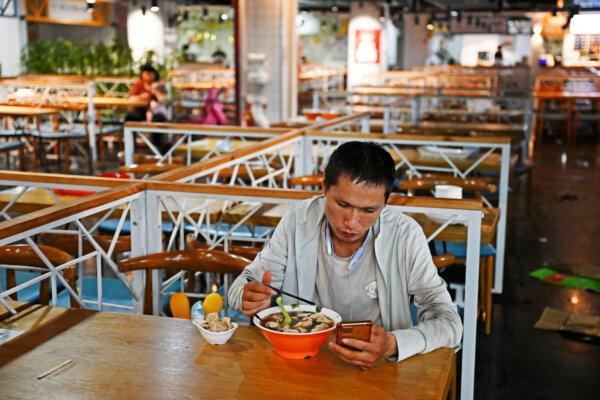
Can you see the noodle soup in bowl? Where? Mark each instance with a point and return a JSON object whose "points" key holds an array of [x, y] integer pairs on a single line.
{"points": [[302, 339]]}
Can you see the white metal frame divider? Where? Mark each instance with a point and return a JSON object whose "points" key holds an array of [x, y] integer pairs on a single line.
{"points": [[194, 194]]}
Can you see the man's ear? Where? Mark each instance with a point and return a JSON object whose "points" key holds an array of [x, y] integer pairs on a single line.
{"points": [[324, 186]]}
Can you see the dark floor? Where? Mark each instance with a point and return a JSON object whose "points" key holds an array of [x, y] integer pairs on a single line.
{"points": [[561, 222]]}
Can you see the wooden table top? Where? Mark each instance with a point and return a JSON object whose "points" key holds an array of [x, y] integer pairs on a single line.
{"points": [[34, 199], [107, 101], [270, 215], [457, 232], [204, 85], [138, 356], [490, 164], [37, 198], [81, 102], [565, 95], [202, 147], [24, 111], [17, 305]]}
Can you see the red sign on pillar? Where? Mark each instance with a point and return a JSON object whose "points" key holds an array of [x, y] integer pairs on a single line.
{"points": [[366, 46]]}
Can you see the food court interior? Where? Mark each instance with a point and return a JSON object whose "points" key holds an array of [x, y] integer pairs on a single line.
{"points": [[148, 150]]}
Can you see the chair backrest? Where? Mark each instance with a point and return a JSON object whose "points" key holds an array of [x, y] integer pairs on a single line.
{"points": [[307, 180], [148, 168], [444, 260], [194, 260], [70, 243], [242, 173], [243, 251], [24, 255]]}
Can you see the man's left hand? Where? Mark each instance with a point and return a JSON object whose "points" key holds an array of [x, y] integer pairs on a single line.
{"points": [[365, 354]]}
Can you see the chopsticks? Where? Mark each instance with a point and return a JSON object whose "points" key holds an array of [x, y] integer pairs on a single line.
{"points": [[55, 368], [312, 303]]}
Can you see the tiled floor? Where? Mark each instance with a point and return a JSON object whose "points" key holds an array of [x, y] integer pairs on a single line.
{"points": [[562, 223]]}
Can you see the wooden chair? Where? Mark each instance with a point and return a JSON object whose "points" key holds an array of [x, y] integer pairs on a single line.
{"points": [[23, 255], [242, 172], [70, 243], [243, 251], [195, 260], [477, 185], [442, 261]]}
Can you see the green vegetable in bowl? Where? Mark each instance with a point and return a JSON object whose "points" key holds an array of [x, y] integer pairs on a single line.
{"points": [[288, 319]]}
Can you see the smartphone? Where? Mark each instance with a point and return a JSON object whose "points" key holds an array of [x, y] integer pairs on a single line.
{"points": [[360, 330]]}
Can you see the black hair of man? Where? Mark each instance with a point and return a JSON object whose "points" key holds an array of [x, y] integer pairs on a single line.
{"points": [[151, 69], [361, 162]]}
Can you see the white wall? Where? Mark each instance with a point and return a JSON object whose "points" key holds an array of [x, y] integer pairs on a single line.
{"points": [[13, 38], [465, 48]]}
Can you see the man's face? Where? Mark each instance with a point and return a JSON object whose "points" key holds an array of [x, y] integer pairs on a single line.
{"points": [[352, 208]]}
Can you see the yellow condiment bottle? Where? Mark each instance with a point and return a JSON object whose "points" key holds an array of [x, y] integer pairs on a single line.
{"points": [[180, 305], [212, 303]]}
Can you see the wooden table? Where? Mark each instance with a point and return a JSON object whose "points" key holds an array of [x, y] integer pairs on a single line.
{"points": [[270, 215], [106, 101], [37, 198], [201, 148], [457, 232], [490, 164], [147, 357], [17, 305], [568, 100], [34, 199], [25, 111]]}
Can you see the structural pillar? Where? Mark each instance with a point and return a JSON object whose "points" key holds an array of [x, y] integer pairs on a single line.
{"points": [[268, 27]]}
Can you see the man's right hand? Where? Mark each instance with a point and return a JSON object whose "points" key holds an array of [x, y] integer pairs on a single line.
{"points": [[257, 297]]}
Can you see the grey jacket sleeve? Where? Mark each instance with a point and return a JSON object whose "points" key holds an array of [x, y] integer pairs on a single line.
{"points": [[273, 257], [439, 324]]}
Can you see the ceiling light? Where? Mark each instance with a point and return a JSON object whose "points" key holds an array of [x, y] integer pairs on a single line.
{"points": [[154, 7], [334, 8], [429, 27], [454, 13]]}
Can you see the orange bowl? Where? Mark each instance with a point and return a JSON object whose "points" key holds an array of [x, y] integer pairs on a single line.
{"points": [[296, 345]]}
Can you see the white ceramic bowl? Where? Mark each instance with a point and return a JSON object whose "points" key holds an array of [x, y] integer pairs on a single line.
{"points": [[214, 337]]}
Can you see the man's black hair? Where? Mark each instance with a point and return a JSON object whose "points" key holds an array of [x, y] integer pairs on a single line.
{"points": [[360, 162], [150, 68]]}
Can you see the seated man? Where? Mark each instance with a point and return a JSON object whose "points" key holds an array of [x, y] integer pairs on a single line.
{"points": [[348, 252]]}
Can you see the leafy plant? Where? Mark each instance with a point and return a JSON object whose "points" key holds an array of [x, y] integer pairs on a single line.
{"points": [[64, 56]]}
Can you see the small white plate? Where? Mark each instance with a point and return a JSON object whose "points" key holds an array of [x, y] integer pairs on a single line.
{"points": [[434, 151]]}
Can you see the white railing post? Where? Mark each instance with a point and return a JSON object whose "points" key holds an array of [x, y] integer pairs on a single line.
{"points": [[470, 311], [129, 145], [154, 244], [91, 93], [365, 124], [503, 208], [139, 247], [387, 120]]}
